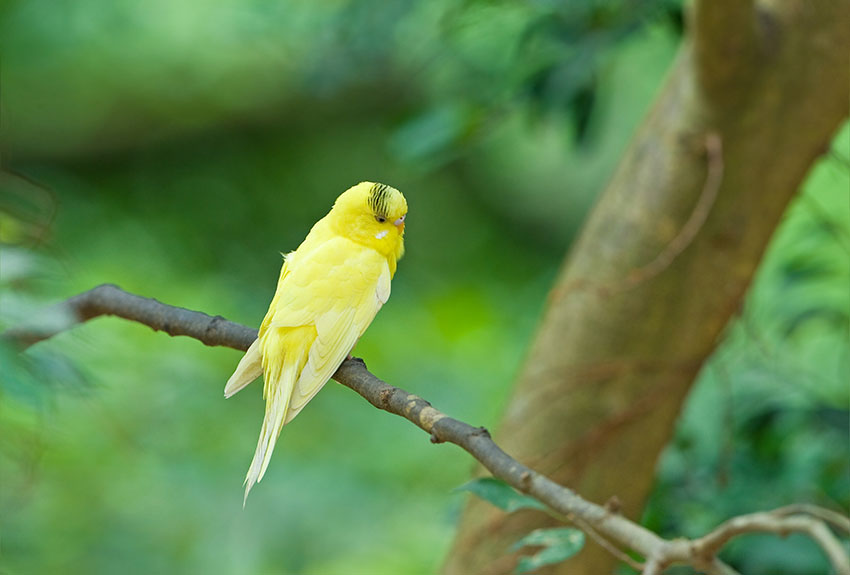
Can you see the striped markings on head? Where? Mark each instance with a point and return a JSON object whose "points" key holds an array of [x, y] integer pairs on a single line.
{"points": [[379, 196]]}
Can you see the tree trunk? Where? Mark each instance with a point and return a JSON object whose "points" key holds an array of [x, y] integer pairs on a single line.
{"points": [[665, 259]]}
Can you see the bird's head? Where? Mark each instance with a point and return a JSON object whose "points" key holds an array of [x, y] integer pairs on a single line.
{"points": [[372, 214]]}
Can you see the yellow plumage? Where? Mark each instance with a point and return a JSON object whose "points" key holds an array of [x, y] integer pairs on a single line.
{"points": [[328, 293]]}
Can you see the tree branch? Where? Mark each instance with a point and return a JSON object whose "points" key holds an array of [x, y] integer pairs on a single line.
{"points": [[660, 553], [702, 552], [778, 523], [109, 299], [828, 516]]}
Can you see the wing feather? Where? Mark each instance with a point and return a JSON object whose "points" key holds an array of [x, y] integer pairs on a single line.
{"points": [[338, 331], [250, 368]]}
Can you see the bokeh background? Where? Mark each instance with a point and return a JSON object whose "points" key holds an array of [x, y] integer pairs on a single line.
{"points": [[176, 148]]}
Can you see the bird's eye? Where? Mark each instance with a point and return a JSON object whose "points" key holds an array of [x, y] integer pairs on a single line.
{"points": [[381, 219]]}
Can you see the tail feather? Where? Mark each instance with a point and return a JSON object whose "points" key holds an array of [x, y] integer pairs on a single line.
{"points": [[284, 357], [250, 368], [276, 405]]}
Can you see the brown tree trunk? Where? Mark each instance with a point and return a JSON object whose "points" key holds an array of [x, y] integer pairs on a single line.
{"points": [[753, 99]]}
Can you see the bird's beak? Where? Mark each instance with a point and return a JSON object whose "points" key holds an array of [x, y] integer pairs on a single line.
{"points": [[399, 223]]}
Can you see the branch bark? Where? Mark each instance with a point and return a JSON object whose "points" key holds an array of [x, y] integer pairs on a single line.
{"points": [[602, 519], [622, 340], [109, 299]]}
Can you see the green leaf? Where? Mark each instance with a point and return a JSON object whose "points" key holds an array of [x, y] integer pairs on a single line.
{"points": [[560, 543], [500, 494], [550, 537]]}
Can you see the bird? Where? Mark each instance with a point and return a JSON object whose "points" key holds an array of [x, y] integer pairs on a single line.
{"points": [[329, 291]]}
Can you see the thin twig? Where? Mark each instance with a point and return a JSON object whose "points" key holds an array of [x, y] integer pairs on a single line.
{"points": [[827, 515], [597, 537], [780, 523], [695, 222], [109, 299], [608, 546]]}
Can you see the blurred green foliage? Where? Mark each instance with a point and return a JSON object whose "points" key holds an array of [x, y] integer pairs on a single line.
{"points": [[174, 148]]}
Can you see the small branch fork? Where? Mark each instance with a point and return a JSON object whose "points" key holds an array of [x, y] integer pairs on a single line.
{"points": [[607, 523]]}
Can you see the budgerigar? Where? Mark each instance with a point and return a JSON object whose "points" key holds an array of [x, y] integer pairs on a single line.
{"points": [[328, 293]]}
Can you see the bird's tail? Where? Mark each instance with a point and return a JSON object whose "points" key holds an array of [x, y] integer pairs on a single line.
{"points": [[250, 368], [284, 353]]}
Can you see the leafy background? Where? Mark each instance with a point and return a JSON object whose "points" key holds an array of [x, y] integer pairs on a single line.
{"points": [[175, 148]]}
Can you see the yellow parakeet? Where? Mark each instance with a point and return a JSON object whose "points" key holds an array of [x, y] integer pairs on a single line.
{"points": [[328, 293]]}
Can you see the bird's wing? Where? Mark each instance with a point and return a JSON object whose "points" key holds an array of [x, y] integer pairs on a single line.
{"points": [[363, 286], [282, 285]]}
